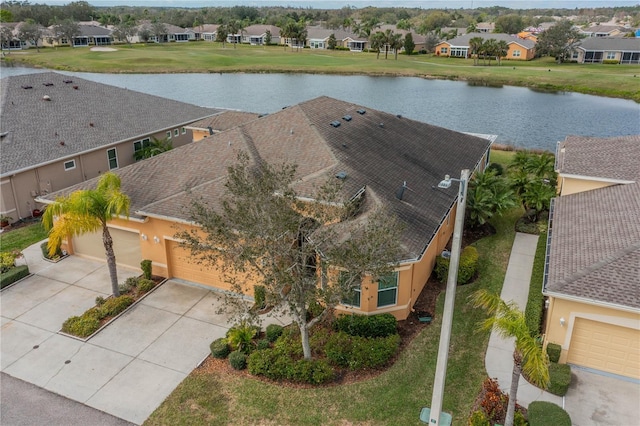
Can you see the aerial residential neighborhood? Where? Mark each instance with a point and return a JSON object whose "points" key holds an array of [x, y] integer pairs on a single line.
{"points": [[171, 258]]}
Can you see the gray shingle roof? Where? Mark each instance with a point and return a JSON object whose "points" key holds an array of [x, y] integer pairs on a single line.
{"points": [[36, 127], [224, 120], [463, 40], [595, 246], [625, 44], [375, 149], [611, 158], [93, 30]]}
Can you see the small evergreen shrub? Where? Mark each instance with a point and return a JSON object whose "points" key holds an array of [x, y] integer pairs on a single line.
{"points": [[312, 371], [240, 337], [260, 296], [559, 378], [610, 61], [128, 285], [478, 418], [466, 269], [82, 326], [145, 285], [273, 332], [496, 167], [12, 275], [100, 301], [263, 344], [146, 267], [542, 413], [358, 353], [113, 306], [238, 360], [382, 325], [554, 350], [277, 364], [219, 348]]}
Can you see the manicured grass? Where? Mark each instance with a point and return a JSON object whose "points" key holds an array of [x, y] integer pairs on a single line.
{"points": [[21, 238], [543, 73], [392, 398]]}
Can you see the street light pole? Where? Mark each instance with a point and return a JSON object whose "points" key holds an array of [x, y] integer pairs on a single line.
{"points": [[449, 301]]}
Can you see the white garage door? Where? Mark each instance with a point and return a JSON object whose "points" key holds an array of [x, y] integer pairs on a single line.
{"points": [[126, 246], [605, 347]]}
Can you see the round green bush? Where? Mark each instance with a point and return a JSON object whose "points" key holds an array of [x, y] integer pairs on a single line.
{"points": [[542, 413], [83, 326], [466, 269], [263, 344], [113, 306], [219, 348], [496, 167], [478, 418], [238, 360], [273, 332], [145, 285], [559, 378]]}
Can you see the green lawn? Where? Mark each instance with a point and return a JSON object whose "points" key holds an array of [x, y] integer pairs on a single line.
{"points": [[545, 74], [21, 238], [392, 398]]}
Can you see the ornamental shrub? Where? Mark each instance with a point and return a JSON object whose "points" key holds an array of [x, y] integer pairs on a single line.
{"points": [[146, 267], [12, 275], [128, 285], [240, 337], [219, 348], [145, 285], [273, 332], [559, 378], [44, 248], [82, 326], [100, 300], [382, 325], [358, 353], [8, 260], [238, 360], [543, 413], [113, 306], [478, 418], [554, 350], [263, 344], [496, 167], [466, 269], [276, 364]]}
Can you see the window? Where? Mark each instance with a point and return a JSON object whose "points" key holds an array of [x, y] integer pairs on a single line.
{"points": [[184, 130], [138, 145], [112, 156], [611, 55], [516, 54], [443, 50], [388, 290], [176, 132], [352, 298], [169, 134], [69, 165]]}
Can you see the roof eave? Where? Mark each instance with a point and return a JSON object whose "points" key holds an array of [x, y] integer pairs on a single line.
{"points": [[589, 301]]}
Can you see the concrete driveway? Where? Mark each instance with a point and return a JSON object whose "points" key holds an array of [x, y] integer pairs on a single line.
{"points": [[127, 369]]}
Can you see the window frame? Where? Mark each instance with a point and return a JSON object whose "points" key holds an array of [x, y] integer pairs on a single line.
{"points": [[169, 134], [356, 295], [184, 130], [396, 276], [143, 144], [516, 53], [115, 158], [176, 132], [73, 165], [444, 50]]}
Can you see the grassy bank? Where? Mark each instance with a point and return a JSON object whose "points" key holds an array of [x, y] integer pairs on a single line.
{"points": [[23, 237], [544, 74], [392, 398]]}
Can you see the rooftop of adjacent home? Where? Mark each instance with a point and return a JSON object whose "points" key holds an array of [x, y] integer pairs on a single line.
{"points": [[50, 116], [328, 139]]}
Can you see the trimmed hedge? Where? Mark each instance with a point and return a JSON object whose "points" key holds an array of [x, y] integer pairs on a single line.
{"points": [[277, 364], [12, 275], [559, 379], [144, 285], [554, 350], [273, 332], [146, 267], [220, 348], [542, 413], [82, 326], [358, 353], [113, 306], [372, 326], [466, 269], [535, 302]]}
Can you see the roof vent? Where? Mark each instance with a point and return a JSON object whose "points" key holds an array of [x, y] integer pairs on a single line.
{"points": [[27, 87], [75, 87], [347, 118], [335, 123], [362, 111], [399, 115], [47, 84], [341, 175], [3, 134], [67, 81], [46, 98], [61, 143], [381, 124], [210, 130]]}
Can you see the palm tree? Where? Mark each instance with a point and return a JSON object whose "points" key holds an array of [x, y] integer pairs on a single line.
{"points": [[376, 42], [475, 44], [396, 43], [490, 48], [157, 146], [537, 197], [502, 48], [88, 210], [528, 356], [542, 166], [489, 195]]}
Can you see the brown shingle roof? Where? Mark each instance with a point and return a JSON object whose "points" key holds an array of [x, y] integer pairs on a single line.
{"points": [[610, 158], [595, 245], [224, 121]]}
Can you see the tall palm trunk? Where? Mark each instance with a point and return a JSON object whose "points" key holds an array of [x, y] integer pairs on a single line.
{"points": [[515, 378], [111, 259]]}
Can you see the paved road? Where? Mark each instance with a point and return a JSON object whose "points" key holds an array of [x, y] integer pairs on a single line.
{"points": [[22, 403]]}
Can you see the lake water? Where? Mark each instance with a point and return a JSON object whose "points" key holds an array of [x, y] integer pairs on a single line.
{"points": [[519, 116]]}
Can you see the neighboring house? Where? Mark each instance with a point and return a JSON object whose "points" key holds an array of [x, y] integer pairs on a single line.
{"points": [[90, 35], [418, 39], [592, 273], [14, 43], [519, 49], [206, 32], [373, 152], [172, 33], [528, 35], [602, 31], [596, 50], [485, 27], [257, 34], [219, 123], [57, 131]]}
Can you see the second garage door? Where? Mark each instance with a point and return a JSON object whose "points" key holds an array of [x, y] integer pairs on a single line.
{"points": [[126, 246], [181, 266], [605, 347]]}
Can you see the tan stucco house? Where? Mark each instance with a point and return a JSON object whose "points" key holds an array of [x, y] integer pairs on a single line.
{"points": [[592, 274], [373, 152], [520, 49], [57, 131], [598, 50]]}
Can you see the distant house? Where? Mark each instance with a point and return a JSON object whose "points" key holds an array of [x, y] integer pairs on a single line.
{"points": [[218, 123], [92, 35], [519, 49], [592, 273], [602, 31], [172, 33], [372, 152], [57, 131], [485, 27], [14, 43], [205, 32], [596, 50], [257, 34]]}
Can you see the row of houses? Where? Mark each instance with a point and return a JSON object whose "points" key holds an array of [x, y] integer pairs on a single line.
{"points": [[592, 272]]}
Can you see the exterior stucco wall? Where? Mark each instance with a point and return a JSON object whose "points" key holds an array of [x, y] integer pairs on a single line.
{"points": [[570, 185], [571, 310]]}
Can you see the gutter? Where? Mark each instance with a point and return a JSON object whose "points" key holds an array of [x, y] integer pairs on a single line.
{"points": [[592, 302]]}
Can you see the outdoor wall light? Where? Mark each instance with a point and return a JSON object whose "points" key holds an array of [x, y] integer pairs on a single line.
{"points": [[156, 240], [562, 321], [144, 237]]}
